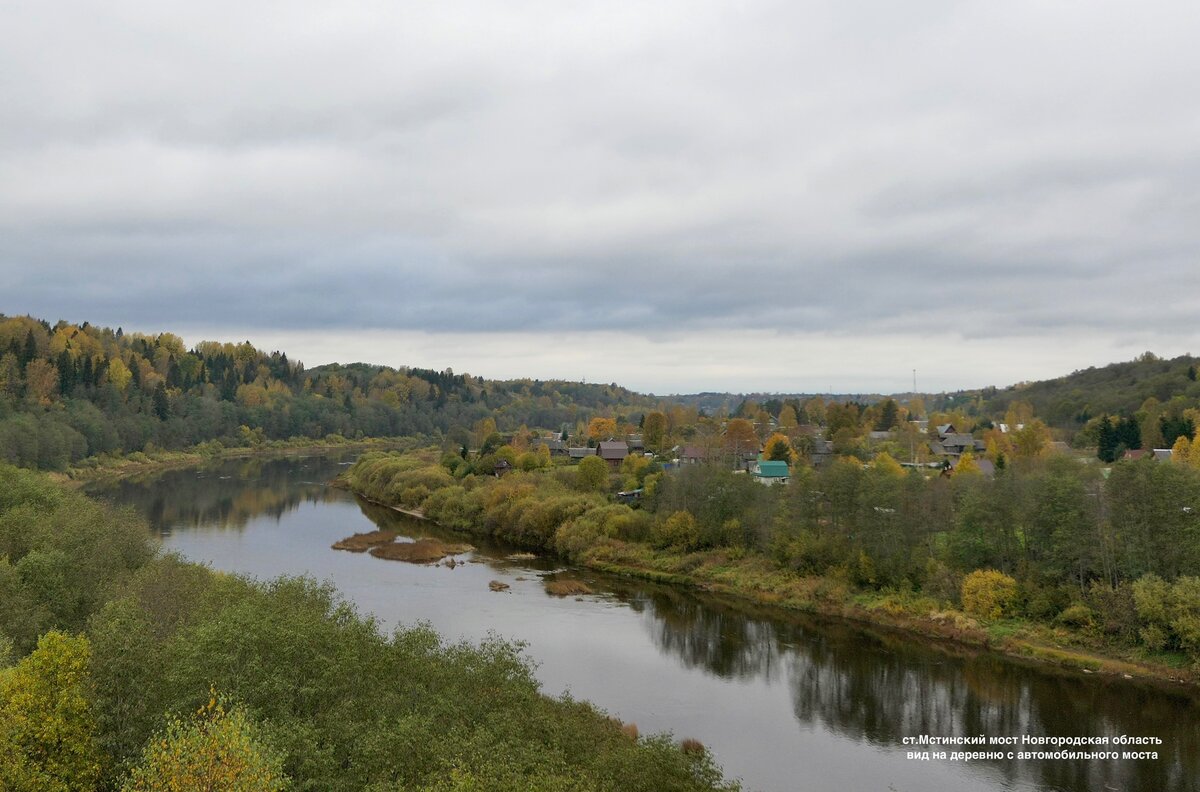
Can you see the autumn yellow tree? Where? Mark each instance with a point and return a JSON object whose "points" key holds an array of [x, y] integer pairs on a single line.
{"points": [[218, 749], [967, 466], [886, 463], [779, 448], [601, 428], [41, 381], [47, 729], [1182, 450], [1031, 440]]}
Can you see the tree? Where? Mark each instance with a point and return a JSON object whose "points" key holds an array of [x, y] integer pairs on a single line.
{"points": [[654, 430], [162, 407], [888, 416], [1181, 451], [41, 381], [601, 428], [967, 466], [216, 749], [740, 435], [592, 474], [1030, 440], [779, 449], [47, 729]]}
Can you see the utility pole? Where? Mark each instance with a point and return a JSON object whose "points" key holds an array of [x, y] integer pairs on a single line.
{"points": [[912, 447]]}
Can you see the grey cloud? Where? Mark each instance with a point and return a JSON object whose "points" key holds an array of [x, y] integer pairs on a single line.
{"points": [[809, 167]]}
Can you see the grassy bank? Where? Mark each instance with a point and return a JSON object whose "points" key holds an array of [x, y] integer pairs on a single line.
{"points": [[756, 578], [552, 510], [116, 465], [124, 669]]}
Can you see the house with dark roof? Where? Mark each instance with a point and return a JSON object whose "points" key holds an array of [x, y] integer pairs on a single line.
{"points": [[613, 452], [695, 454], [956, 443], [579, 453]]}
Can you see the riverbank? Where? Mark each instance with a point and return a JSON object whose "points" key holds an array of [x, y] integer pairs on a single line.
{"points": [[754, 578], [543, 513], [139, 463]]}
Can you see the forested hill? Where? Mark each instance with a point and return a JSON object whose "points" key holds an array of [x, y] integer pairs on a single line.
{"points": [[1072, 401], [69, 392]]}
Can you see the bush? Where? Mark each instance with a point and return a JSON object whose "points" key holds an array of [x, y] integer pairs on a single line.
{"points": [[988, 594], [1077, 615], [592, 474], [679, 532]]}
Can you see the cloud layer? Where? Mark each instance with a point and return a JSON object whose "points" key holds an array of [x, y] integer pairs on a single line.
{"points": [[932, 170]]}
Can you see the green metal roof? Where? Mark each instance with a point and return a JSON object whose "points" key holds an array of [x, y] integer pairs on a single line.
{"points": [[773, 469]]}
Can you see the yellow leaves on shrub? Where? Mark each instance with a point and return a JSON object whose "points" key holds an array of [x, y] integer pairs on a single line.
{"points": [[214, 749], [988, 593]]}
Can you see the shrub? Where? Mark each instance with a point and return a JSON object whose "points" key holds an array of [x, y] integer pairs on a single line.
{"points": [[988, 593], [1077, 615], [679, 531], [592, 474]]}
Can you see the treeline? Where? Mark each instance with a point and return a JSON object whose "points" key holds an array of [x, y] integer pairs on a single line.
{"points": [[1146, 391], [71, 392], [123, 669], [1048, 539]]}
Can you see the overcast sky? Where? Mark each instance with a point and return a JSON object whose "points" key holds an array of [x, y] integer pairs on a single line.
{"points": [[677, 196]]}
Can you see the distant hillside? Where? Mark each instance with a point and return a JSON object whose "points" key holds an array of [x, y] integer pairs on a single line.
{"points": [[69, 392], [1116, 389]]}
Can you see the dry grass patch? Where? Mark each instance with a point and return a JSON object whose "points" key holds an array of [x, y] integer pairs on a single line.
{"points": [[422, 551], [362, 542], [567, 588]]}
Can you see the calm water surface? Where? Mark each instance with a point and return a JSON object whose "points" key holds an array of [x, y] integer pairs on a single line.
{"points": [[785, 702]]}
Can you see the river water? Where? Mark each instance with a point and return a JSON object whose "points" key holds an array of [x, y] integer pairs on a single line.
{"points": [[785, 702]]}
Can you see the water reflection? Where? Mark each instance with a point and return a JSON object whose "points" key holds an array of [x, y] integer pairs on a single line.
{"points": [[844, 688], [226, 494]]}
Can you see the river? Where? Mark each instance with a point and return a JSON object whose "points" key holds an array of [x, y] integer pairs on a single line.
{"points": [[785, 702]]}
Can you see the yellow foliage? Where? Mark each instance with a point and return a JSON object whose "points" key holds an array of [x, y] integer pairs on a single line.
{"points": [[602, 428], [215, 749], [966, 466], [884, 463], [988, 593], [47, 730], [1182, 450], [779, 448]]}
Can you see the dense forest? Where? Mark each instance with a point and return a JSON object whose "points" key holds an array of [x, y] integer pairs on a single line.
{"points": [[123, 669], [71, 392]]}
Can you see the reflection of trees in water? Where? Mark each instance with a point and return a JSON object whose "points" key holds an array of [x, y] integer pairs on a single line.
{"points": [[224, 495], [880, 688], [705, 635]]}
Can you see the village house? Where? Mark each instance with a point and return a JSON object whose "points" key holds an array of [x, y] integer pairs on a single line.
{"points": [[579, 453], [613, 452], [771, 472]]}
